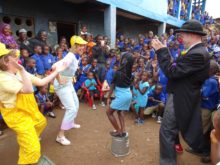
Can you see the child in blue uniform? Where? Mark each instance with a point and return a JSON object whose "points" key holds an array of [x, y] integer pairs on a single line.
{"points": [[156, 102], [47, 59], [83, 70], [39, 63], [91, 84], [45, 105], [142, 88]]}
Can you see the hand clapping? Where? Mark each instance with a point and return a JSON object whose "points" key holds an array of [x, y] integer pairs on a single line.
{"points": [[156, 44]]}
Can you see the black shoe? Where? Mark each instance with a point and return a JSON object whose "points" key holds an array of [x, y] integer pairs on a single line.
{"points": [[200, 153]]}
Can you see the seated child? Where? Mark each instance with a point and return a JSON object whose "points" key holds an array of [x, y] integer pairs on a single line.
{"points": [[45, 105], [82, 76], [215, 139], [156, 103], [91, 84], [94, 69]]}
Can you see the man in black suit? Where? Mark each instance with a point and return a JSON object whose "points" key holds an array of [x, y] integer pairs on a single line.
{"points": [[185, 78]]}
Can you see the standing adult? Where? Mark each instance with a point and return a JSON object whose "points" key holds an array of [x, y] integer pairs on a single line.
{"points": [[6, 36], [22, 40], [64, 88], [100, 52], [185, 78], [40, 39]]}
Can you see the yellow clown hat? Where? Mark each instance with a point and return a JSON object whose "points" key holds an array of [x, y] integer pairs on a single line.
{"points": [[77, 40], [3, 50]]}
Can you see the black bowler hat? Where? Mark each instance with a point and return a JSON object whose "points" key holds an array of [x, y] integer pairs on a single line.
{"points": [[192, 26]]}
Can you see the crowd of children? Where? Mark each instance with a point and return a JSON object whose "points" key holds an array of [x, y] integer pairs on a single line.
{"points": [[173, 7], [99, 63]]}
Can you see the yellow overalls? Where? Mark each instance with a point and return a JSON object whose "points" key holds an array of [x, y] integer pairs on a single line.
{"points": [[28, 123]]}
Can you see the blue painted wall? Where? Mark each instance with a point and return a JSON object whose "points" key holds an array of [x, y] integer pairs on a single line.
{"points": [[154, 9]]}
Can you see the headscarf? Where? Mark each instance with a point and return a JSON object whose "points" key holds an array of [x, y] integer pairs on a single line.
{"points": [[7, 40]]}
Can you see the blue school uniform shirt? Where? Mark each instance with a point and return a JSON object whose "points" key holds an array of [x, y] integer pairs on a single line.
{"points": [[77, 56], [48, 60], [152, 53], [22, 59], [39, 64], [161, 97], [112, 63], [162, 79], [147, 40], [171, 38], [85, 69], [175, 53], [31, 70], [41, 98], [210, 94], [121, 45], [88, 82], [181, 46], [142, 98], [137, 48], [109, 76], [64, 53]]}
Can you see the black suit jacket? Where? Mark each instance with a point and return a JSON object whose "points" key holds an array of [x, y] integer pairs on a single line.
{"points": [[185, 78]]}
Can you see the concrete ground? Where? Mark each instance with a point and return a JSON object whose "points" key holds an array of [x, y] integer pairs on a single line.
{"points": [[91, 143]]}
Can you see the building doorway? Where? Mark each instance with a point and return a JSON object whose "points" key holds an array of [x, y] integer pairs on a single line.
{"points": [[66, 29]]}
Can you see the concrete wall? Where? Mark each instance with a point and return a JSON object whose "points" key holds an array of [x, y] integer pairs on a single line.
{"points": [[42, 12], [94, 21], [132, 28]]}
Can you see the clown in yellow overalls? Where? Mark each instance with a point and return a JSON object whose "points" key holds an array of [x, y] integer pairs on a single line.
{"points": [[19, 109]]}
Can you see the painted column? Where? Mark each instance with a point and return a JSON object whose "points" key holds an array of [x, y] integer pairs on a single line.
{"points": [[110, 24], [179, 9], [162, 28], [203, 6], [190, 9]]}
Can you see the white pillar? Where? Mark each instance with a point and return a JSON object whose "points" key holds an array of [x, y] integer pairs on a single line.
{"points": [[162, 28], [110, 24], [179, 9], [190, 9]]}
